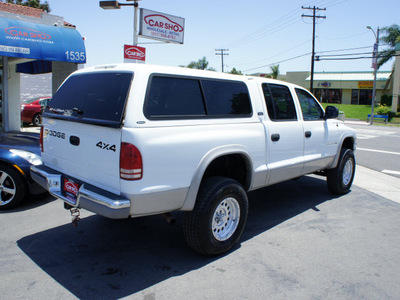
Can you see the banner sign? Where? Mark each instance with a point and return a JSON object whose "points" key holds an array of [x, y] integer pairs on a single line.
{"points": [[38, 41], [375, 56], [366, 85], [134, 54], [160, 26]]}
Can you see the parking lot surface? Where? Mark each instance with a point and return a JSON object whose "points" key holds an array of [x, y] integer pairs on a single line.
{"points": [[300, 242]]}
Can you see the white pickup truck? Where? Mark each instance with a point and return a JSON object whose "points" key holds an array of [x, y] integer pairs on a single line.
{"points": [[133, 140]]}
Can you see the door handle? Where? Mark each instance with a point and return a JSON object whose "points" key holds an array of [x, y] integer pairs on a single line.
{"points": [[275, 137], [308, 134]]}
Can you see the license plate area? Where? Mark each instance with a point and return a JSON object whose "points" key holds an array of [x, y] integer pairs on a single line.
{"points": [[69, 189]]}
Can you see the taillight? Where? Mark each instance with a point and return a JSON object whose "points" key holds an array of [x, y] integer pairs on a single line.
{"points": [[130, 162], [41, 139]]}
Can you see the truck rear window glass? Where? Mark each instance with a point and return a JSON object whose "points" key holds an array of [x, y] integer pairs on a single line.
{"points": [[97, 98], [171, 97], [226, 98], [187, 97]]}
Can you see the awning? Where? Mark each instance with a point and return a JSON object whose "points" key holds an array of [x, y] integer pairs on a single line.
{"points": [[38, 41]]}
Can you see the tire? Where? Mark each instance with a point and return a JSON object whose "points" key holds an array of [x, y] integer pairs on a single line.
{"points": [[340, 179], [12, 187], [37, 120], [217, 221]]}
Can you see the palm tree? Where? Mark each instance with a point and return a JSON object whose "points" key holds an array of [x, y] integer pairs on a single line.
{"points": [[390, 39], [274, 71], [201, 64]]}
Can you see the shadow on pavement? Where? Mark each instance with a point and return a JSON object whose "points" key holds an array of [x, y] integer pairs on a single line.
{"points": [[30, 202], [104, 258]]}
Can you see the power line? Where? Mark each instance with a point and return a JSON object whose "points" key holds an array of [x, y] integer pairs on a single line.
{"points": [[278, 62], [348, 49], [345, 54]]}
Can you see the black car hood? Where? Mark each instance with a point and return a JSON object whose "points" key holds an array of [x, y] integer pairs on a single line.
{"points": [[28, 141]]}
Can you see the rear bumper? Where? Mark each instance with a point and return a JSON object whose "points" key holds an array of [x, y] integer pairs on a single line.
{"points": [[89, 197]]}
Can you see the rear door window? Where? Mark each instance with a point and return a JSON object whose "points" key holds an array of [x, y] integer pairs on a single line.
{"points": [[95, 98]]}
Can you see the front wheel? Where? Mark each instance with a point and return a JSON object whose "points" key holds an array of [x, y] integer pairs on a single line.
{"points": [[339, 179], [37, 120], [12, 187], [217, 221]]}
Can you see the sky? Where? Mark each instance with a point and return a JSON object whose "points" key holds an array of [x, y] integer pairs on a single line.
{"points": [[258, 33]]}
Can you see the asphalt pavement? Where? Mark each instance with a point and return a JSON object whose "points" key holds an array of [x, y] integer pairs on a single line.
{"points": [[300, 242]]}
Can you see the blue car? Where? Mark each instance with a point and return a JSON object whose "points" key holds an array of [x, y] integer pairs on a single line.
{"points": [[18, 151]]}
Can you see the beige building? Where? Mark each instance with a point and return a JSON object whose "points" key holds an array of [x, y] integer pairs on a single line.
{"points": [[344, 87]]}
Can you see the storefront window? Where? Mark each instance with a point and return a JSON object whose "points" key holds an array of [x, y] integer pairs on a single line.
{"points": [[328, 95], [365, 97], [354, 97]]}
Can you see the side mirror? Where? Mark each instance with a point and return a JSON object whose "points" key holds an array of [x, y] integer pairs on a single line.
{"points": [[331, 112]]}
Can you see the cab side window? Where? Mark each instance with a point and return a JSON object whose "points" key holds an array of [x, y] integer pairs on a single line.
{"points": [[309, 106], [279, 102], [184, 97]]}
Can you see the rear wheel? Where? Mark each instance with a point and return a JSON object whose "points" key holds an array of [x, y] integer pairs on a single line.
{"points": [[217, 221], [341, 178], [12, 187]]}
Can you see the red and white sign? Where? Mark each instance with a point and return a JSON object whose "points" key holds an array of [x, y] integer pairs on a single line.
{"points": [[134, 54], [160, 26], [71, 187]]}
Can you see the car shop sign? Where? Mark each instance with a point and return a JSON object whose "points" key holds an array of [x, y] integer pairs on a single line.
{"points": [[160, 26], [134, 54]]}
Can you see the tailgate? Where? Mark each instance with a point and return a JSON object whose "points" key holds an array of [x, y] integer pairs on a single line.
{"points": [[86, 152], [82, 127]]}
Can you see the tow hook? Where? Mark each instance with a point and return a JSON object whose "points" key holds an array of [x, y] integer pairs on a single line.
{"points": [[75, 213]]}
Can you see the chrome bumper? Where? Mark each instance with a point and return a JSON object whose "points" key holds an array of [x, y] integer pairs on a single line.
{"points": [[89, 197]]}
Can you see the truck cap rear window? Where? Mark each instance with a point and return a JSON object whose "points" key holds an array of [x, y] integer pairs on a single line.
{"points": [[95, 98]]}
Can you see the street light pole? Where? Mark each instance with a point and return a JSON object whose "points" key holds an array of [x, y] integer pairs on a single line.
{"points": [[374, 64], [117, 5], [135, 31]]}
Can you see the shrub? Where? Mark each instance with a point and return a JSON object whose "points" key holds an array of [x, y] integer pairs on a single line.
{"points": [[382, 110]]}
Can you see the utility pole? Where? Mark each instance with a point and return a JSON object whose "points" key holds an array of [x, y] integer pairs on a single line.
{"points": [[221, 52], [314, 16]]}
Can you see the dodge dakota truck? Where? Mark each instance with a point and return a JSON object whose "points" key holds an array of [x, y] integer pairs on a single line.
{"points": [[131, 140]]}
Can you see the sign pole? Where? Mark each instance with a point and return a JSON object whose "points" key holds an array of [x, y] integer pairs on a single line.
{"points": [[135, 31], [375, 70]]}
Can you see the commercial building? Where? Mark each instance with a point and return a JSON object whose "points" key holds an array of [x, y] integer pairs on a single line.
{"points": [[33, 42], [344, 87]]}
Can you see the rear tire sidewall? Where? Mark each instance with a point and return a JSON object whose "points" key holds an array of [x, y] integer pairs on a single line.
{"points": [[212, 192]]}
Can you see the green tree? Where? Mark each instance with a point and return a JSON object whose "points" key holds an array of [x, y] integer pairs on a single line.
{"points": [[236, 72], [274, 71], [32, 3], [390, 36], [201, 64]]}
